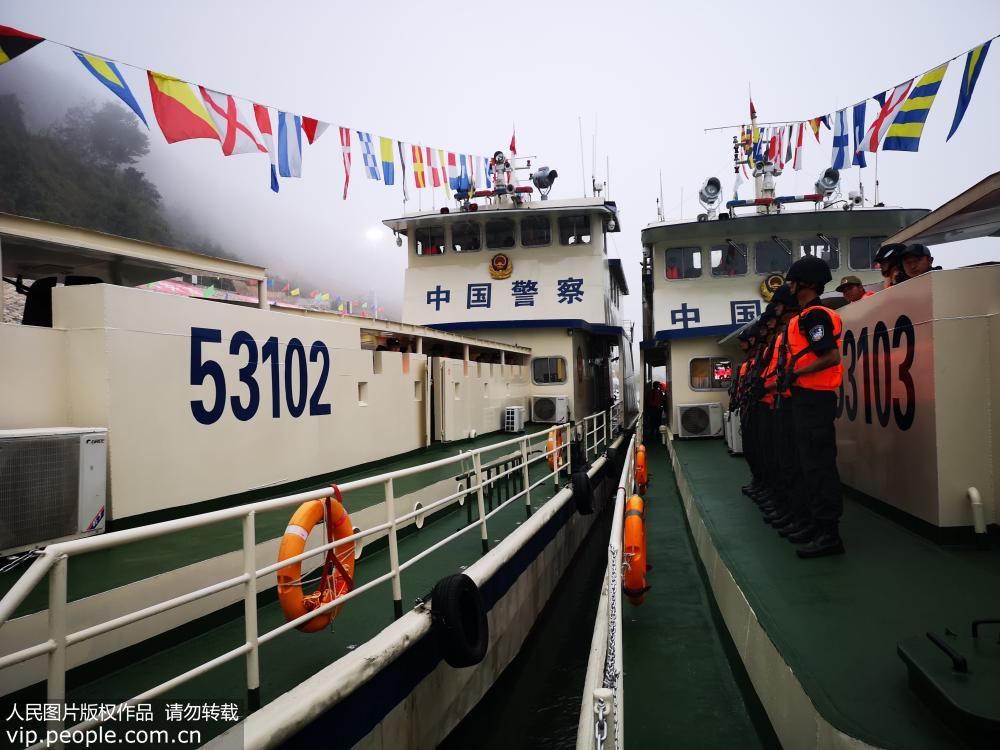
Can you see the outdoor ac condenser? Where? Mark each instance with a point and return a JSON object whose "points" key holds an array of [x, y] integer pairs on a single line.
{"points": [[552, 409], [699, 420], [53, 484], [735, 434], [513, 419]]}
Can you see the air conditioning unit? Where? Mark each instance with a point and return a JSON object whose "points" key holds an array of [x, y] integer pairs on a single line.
{"points": [[699, 420], [53, 484], [553, 409], [736, 433], [513, 419]]}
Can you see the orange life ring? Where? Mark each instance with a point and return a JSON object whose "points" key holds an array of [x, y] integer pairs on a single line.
{"points": [[641, 473], [338, 570], [554, 448], [635, 550]]}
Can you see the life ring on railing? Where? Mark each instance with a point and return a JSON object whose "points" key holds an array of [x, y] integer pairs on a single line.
{"points": [[554, 448], [641, 473], [458, 620], [634, 547], [338, 567]]}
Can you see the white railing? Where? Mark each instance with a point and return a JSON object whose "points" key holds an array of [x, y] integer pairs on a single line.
{"points": [[597, 432], [602, 705], [53, 562]]}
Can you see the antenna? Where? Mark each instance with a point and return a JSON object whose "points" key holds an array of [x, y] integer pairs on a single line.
{"points": [[659, 202], [583, 167]]}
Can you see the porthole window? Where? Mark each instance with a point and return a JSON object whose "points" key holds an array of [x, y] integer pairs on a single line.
{"points": [[729, 260], [711, 373], [499, 234], [682, 263], [574, 230], [823, 249], [548, 370], [536, 231], [861, 252], [430, 240], [773, 256], [466, 237]]}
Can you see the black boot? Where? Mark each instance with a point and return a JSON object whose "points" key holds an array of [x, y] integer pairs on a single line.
{"points": [[782, 521], [803, 535], [827, 542], [791, 527]]}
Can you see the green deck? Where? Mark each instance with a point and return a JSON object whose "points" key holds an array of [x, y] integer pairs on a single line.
{"points": [[836, 621], [294, 656], [680, 688]]}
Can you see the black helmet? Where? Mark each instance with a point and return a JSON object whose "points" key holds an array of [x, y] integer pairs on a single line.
{"points": [[890, 252], [783, 296], [810, 270]]}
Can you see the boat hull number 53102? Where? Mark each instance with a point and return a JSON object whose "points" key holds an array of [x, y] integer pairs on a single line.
{"points": [[289, 381], [872, 386]]}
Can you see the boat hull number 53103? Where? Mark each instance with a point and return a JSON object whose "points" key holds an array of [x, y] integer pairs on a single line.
{"points": [[872, 385], [289, 379]]}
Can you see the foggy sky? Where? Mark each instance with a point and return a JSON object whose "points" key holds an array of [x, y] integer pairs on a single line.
{"points": [[647, 78]]}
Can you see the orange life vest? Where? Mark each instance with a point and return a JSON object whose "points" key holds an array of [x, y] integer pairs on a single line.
{"points": [[771, 372], [828, 379]]}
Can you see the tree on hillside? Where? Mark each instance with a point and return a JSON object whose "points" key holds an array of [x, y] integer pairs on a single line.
{"points": [[107, 136], [83, 171]]}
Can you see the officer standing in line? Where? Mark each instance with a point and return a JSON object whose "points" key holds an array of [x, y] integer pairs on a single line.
{"points": [[786, 511], [814, 374], [748, 416], [761, 423]]}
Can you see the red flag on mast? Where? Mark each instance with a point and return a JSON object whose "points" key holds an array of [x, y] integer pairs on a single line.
{"points": [[513, 144]]}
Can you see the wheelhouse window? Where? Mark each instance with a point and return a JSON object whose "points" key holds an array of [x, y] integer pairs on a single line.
{"points": [[430, 240], [773, 256], [711, 373], [466, 237], [826, 249], [574, 230], [861, 252], [683, 263], [536, 231], [729, 259], [548, 370], [499, 233]]}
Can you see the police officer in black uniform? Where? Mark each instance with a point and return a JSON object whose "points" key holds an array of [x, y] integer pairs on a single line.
{"points": [[814, 374]]}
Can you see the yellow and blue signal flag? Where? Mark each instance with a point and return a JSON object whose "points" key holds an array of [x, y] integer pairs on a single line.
{"points": [[107, 73]]}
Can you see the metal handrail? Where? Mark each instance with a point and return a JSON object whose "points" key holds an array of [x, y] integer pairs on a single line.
{"points": [[598, 720], [53, 561]]}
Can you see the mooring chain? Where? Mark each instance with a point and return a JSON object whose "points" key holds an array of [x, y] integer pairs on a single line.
{"points": [[610, 679], [601, 725]]}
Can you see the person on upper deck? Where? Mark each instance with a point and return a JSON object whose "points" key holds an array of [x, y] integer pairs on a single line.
{"points": [[852, 289], [917, 260], [814, 374], [888, 259]]}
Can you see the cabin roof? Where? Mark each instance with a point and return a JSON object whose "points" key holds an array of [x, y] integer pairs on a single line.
{"points": [[859, 219], [34, 249], [569, 206], [973, 213]]}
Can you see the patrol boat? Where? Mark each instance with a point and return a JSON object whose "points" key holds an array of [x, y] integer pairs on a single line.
{"points": [[158, 516], [738, 642]]}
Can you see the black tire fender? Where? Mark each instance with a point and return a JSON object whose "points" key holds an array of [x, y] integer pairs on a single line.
{"points": [[459, 623], [583, 493]]}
